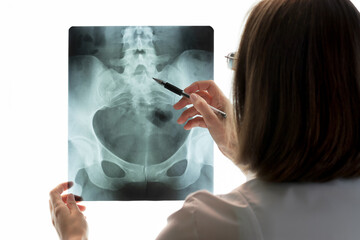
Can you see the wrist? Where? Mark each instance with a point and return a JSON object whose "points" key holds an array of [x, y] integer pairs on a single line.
{"points": [[77, 238]]}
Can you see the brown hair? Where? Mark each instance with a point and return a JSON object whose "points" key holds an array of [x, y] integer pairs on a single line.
{"points": [[297, 91]]}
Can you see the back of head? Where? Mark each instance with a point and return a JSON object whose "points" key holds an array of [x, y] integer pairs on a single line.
{"points": [[297, 90]]}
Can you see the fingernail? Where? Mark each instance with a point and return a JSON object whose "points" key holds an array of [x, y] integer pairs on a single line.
{"points": [[193, 97]]}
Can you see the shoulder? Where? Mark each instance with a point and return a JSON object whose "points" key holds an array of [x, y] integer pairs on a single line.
{"points": [[256, 209], [206, 216]]}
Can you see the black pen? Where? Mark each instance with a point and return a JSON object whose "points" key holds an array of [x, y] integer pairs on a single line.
{"points": [[180, 92]]}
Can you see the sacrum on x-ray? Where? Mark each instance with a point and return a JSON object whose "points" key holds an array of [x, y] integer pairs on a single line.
{"points": [[123, 141]]}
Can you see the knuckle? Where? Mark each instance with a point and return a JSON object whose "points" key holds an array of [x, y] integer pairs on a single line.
{"points": [[52, 193], [57, 212], [194, 87], [192, 123], [193, 111], [210, 82], [187, 112], [208, 118], [202, 104], [196, 84]]}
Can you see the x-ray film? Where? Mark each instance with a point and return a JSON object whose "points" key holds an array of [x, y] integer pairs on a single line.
{"points": [[123, 139]]}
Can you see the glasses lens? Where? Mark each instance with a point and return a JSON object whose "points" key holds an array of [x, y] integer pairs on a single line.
{"points": [[230, 63], [230, 60]]}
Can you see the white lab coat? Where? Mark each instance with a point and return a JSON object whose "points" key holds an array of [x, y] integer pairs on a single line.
{"points": [[262, 210]]}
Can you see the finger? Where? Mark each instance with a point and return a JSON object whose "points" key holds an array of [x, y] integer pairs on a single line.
{"points": [[81, 207], [207, 85], [188, 113], [77, 198], [196, 122], [50, 205], [210, 118], [55, 194], [186, 101], [71, 203], [205, 95], [182, 103], [51, 213]]}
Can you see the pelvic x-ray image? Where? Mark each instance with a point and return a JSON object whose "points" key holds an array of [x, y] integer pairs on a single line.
{"points": [[123, 139]]}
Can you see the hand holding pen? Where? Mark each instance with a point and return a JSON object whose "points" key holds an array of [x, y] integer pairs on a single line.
{"points": [[180, 92], [202, 94]]}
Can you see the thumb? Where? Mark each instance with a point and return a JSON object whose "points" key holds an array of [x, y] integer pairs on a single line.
{"points": [[71, 203], [203, 108]]}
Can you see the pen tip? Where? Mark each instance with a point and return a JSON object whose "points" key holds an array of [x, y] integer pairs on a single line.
{"points": [[158, 80]]}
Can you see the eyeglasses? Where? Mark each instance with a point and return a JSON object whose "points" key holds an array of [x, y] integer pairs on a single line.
{"points": [[230, 60]]}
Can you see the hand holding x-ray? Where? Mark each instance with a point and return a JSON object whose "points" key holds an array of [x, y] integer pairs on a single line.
{"points": [[221, 129]]}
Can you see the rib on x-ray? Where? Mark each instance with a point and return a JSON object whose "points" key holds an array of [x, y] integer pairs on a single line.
{"points": [[124, 142]]}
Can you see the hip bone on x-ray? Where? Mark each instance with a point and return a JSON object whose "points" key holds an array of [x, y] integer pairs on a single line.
{"points": [[124, 142]]}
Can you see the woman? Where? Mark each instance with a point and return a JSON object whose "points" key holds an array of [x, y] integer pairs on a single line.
{"points": [[294, 125]]}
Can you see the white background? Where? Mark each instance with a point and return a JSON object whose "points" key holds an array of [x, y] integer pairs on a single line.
{"points": [[33, 98]]}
